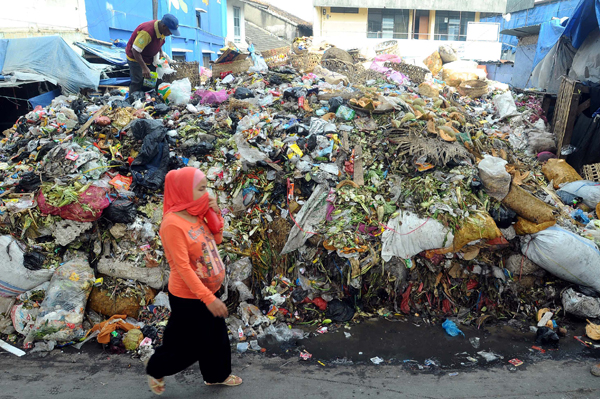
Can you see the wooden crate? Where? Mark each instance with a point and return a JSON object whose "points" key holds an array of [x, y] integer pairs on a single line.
{"points": [[277, 57], [190, 70], [233, 67], [592, 172], [567, 109]]}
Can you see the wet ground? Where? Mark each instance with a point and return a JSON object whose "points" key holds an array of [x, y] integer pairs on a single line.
{"points": [[421, 347]]}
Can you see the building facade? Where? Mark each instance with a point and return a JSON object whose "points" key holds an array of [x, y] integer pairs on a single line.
{"points": [[202, 24], [419, 25]]}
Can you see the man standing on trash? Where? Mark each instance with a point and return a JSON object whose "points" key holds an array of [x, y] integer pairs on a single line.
{"points": [[145, 42]]}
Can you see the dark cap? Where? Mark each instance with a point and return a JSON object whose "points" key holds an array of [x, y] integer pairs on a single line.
{"points": [[172, 23]]}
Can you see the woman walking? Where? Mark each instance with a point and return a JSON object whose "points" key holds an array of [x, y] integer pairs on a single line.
{"points": [[196, 330]]}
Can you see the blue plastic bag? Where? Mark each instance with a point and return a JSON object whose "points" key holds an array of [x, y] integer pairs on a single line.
{"points": [[580, 216], [451, 328]]}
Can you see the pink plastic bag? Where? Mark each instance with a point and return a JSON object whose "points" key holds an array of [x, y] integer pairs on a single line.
{"points": [[388, 57], [94, 197], [211, 97]]}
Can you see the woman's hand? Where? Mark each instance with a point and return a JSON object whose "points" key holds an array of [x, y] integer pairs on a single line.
{"points": [[218, 308], [212, 202]]}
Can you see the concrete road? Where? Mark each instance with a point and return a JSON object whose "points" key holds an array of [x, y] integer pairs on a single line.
{"points": [[74, 375]]}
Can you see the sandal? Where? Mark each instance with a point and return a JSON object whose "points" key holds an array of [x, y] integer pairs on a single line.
{"points": [[231, 381], [156, 386]]}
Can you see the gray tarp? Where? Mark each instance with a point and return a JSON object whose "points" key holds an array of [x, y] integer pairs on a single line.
{"points": [[50, 58]]}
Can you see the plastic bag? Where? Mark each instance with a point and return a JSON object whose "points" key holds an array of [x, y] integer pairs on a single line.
{"points": [[94, 199], [433, 63], [242, 93], [580, 305], [151, 165], [334, 103], [345, 113], [503, 216], [260, 65], [505, 104], [211, 97], [121, 211], [447, 54], [62, 311], [163, 68], [564, 254], [340, 311], [524, 226], [164, 90], [495, 178], [451, 329], [282, 333], [480, 226], [408, 235], [559, 172], [540, 141], [155, 277], [181, 92], [132, 339], [589, 191]]}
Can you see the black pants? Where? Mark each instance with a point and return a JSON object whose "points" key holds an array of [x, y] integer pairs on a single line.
{"points": [[192, 335], [137, 78]]}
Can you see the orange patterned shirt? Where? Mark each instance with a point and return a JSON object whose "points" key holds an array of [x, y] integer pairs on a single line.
{"points": [[191, 247]]}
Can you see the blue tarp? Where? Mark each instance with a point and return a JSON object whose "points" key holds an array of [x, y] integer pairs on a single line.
{"points": [[50, 58], [3, 46], [550, 32], [114, 55], [115, 82], [534, 16], [585, 19]]}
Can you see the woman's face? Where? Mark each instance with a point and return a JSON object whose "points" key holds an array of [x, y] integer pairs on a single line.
{"points": [[200, 189]]}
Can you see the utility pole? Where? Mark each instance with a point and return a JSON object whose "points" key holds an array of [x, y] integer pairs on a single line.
{"points": [[154, 9]]}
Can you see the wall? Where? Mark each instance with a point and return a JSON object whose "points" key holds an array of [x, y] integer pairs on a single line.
{"points": [[230, 29], [495, 6], [117, 19], [29, 18], [524, 62], [341, 27], [276, 25]]}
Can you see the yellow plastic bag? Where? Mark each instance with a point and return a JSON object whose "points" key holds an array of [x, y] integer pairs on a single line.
{"points": [[524, 226], [592, 330], [559, 171]]}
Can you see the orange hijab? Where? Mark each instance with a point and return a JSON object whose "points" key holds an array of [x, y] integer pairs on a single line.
{"points": [[179, 192]]}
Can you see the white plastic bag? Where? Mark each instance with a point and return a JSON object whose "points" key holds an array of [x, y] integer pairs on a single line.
{"points": [[181, 92], [408, 235], [495, 178], [163, 68], [505, 104], [564, 254], [580, 305], [260, 65], [62, 311], [14, 277], [588, 190]]}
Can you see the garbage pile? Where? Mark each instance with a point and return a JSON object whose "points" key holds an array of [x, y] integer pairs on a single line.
{"points": [[341, 200]]}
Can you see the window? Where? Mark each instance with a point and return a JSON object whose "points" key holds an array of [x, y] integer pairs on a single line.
{"points": [[387, 24], [178, 56], [452, 25], [237, 27], [198, 19], [206, 60], [343, 10]]}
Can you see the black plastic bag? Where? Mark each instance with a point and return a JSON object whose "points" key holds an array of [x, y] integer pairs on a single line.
{"points": [[199, 149], [340, 311], [334, 103], [242, 93], [33, 260], [150, 332], [121, 211], [476, 184], [29, 183], [294, 92], [503, 216], [298, 295], [161, 109], [275, 80], [152, 164], [546, 336]]}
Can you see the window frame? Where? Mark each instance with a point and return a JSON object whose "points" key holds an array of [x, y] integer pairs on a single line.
{"points": [[375, 23]]}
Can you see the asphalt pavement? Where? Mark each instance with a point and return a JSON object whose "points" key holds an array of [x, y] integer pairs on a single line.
{"points": [[75, 375]]}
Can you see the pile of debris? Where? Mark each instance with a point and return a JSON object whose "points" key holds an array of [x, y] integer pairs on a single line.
{"points": [[342, 198]]}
